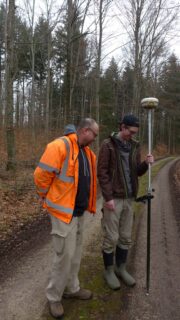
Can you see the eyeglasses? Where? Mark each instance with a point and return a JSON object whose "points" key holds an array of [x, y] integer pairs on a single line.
{"points": [[94, 133], [132, 132]]}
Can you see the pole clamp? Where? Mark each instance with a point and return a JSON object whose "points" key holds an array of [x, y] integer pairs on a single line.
{"points": [[144, 198]]}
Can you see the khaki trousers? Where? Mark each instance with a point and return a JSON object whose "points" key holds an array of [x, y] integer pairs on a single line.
{"points": [[117, 225], [67, 244]]}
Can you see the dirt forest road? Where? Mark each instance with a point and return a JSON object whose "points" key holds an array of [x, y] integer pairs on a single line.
{"points": [[22, 291], [163, 301]]}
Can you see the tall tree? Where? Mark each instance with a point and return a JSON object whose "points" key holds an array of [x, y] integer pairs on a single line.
{"points": [[102, 8], [71, 53], [9, 79], [109, 97], [147, 23], [127, 87], [31, 19], [2, 53], [51, 24], [169, 95]]}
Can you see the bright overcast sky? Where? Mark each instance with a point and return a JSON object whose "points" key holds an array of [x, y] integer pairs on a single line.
{"points": [[114, 38]]}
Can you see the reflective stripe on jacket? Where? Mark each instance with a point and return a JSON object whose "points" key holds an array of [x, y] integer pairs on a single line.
{"points": [[56, 177]]}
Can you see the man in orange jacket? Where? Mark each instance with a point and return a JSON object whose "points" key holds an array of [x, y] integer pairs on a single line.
{"points": [[66, 183]]}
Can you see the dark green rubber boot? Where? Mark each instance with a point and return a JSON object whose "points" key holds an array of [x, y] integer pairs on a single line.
{"points": [[109, 274], [120, 267]]}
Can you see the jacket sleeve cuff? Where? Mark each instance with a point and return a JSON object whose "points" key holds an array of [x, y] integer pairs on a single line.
{"points": [[108, 198], [143, 167]]}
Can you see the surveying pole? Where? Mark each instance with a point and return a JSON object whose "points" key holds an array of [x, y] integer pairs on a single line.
{"points": [[149, 104]]}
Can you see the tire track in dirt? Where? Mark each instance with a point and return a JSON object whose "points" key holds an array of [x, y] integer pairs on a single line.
{"points": [[163, 302]]}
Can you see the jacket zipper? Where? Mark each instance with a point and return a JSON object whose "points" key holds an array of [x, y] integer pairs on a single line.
{"points": [[134, 180], [124, 179]]}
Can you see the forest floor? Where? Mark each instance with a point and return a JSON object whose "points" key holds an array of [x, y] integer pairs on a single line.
{"points": [[26, 254]]}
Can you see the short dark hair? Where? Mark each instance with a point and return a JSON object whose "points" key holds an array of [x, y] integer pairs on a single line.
{"points": [[130, 120]]}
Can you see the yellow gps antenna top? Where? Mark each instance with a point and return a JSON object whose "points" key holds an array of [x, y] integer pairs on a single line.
{"points": [[149, 103]]}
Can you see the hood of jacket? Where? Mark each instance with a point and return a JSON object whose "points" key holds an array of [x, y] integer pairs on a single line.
{"points": [[69, 129]]}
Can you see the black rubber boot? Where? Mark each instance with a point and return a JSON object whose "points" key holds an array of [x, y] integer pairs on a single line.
{"points": [[120, 267], [109, 275]]}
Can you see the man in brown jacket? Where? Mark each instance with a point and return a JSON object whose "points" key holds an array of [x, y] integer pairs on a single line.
{"points": [[119, 165]]}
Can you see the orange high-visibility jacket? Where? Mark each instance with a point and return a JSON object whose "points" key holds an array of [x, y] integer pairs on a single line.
{"points": [[56, 177]]}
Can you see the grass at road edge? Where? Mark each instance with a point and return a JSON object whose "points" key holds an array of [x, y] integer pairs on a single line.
{"points": [[143, 181]]}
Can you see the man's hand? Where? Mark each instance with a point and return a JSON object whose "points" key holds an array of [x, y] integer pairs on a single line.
{"points": [[149, 159], [41, 201], [110, 205]]}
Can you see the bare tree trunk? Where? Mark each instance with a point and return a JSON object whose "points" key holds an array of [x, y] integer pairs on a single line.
{"points": [[98, 66], [67, 107], [98, 60], [60, 115], [174, 137], [169, 135], [33, 75], [49, 51], [75, 66], [23, 103], [31, 113], [1, 91], [17, 106], [147, 24], [48, 85], [103, 8], [9, 78], [137, 59]]}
